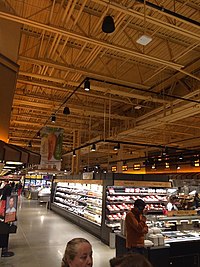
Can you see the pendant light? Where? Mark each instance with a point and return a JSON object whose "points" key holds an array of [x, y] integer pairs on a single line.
{"points": [[66, 111], [93, 148], [117, 147], [87, 85], [53, 118], [108, 25]]}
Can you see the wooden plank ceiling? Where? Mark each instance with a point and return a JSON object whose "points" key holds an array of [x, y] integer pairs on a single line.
{"points": [[139, 94]]}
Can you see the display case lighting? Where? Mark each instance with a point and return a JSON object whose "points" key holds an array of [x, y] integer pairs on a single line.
{"points": [[14, 163]]}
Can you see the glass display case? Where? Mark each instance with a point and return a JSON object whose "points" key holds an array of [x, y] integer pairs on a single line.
{"points": [[120, 199], [83, 199], [80, 201]]}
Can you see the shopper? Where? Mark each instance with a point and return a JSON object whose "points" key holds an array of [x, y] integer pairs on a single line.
{"points": [[19, 189], [12, 186], [78, 253], [116, 261], [171, 204], [130, 260], [136, 228], [5, 237], [196, 200], [5, 193]]}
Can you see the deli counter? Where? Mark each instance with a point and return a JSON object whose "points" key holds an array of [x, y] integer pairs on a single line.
{"points": [[181, 247]]}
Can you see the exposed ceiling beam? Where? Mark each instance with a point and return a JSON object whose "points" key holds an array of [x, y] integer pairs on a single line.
{"points": [[93, 41], [94, 87]]}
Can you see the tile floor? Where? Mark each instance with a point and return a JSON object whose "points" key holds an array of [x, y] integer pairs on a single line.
{"points": [[42, 236]]}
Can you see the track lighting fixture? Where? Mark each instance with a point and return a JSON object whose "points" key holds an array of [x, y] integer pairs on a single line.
{"points": [[117, 147], [74, 153], [108, 25], [53, 118], [66, 111], [29, 144], [93, 148], [180, 157], [87, 85]]}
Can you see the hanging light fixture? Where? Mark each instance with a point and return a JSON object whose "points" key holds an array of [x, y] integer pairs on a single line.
{"points": [[117, 147], [93, 148], [66, 111], [29, 144], [53, 118], [38, 134], [74, 153], [87, 85], [108, 25]]}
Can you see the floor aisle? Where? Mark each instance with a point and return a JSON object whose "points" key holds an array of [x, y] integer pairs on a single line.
{"points": [[41, 238]]}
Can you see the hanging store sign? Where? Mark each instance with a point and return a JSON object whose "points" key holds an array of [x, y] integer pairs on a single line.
{"points": [[51, 148], [88, 175]]}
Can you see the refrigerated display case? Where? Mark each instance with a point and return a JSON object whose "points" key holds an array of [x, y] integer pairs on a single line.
{"points": [[32, 188], [98, 205], [120, 199], [81, 202]]}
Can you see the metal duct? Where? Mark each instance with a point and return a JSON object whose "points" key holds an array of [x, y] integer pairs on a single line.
{"points": [[167, 11]]}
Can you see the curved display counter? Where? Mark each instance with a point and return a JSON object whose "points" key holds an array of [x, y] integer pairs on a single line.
{"points": [[180, 250]]}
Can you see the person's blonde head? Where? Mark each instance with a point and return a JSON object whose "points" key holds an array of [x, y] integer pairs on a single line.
{"points": [[71, 250]]}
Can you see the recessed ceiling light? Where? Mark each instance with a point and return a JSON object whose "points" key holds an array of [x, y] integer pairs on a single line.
{"points": [[144, 39]]}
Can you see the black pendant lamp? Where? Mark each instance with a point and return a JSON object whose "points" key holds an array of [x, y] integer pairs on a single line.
{"points": [[66, 111], [87, 85], [108, 25], [53, 118], [93, 148]]}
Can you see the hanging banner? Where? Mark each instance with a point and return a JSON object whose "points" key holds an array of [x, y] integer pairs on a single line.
{"points": [[51, 148]]}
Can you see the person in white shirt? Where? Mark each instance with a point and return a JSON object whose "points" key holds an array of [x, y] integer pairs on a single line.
{"points": [[171, 204]]}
